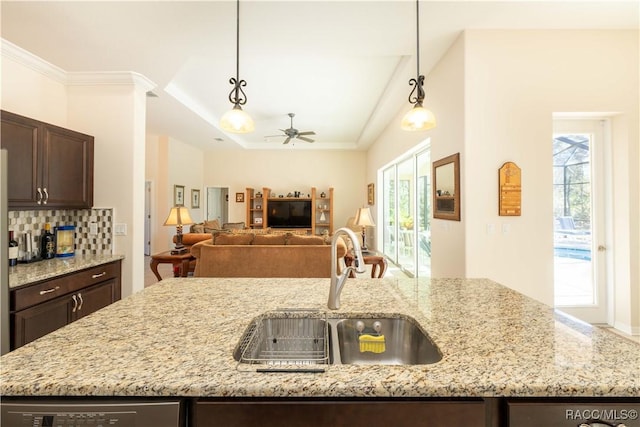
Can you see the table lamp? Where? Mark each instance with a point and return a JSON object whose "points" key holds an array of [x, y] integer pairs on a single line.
{"points": [[178, 216], [364, 219]]}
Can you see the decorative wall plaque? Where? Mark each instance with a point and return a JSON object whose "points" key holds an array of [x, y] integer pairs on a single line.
{"points": [[510, 190]]}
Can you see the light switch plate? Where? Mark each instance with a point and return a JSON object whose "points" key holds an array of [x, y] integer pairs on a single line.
{"points": [[93, 228], [120, 229]]}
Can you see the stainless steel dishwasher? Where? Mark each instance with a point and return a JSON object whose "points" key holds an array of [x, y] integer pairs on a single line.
{"points": [[92, 412]]}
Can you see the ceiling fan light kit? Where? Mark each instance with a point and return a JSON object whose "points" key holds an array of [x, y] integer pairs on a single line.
{"points": [[418, 118], [236, 120]]}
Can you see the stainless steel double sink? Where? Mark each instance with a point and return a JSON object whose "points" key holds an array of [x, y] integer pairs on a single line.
{"points": [[288, 339]]}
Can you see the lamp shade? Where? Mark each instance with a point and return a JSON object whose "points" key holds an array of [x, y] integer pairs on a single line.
{"points": [[363, 218], [418, 118], [237, 121], [179, 215]]}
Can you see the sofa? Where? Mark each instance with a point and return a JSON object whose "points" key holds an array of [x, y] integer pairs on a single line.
{"points": [[203, 231], [264, 253]]}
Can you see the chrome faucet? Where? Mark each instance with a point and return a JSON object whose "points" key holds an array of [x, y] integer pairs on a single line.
{"points": [[338, 278]]}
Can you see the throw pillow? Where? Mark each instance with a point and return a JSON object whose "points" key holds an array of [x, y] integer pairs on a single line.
{"points": [[196, 228], [305, 240], [301, 232], [250, 230], [210, 226], [233, 225], [269, 239], [233, 239]]}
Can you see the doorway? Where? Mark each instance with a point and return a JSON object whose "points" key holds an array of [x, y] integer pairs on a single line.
{"points": [[218, 204], [580, 285], [147, 218]]}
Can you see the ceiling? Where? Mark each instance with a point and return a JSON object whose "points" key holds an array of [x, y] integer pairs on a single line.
{"points": [[341, 66]]}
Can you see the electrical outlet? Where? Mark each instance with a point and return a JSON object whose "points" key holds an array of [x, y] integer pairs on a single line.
{"points": [[93, 228]]}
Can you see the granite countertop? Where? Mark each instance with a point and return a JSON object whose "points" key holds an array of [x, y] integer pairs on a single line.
{"points": [[24, 274], [176, 338]]}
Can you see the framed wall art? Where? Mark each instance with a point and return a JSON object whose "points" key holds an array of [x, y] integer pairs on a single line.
{"points": [[178, 195], [371, 193], [195, 199], [240, 197]]}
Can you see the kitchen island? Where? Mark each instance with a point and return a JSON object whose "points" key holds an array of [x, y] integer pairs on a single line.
{"points": [[176, 339]]}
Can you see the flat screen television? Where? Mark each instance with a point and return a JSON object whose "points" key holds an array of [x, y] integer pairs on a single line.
{"points": [[289, 213]]}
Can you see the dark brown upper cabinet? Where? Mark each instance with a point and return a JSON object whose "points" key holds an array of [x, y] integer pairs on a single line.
{"points": [[49, 167]]}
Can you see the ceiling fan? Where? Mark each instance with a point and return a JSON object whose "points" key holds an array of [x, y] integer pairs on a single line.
{"points": [[292, 133]]}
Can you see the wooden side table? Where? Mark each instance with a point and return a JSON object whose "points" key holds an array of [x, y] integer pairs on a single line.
{"points": [[374, 260], [181, 261]]}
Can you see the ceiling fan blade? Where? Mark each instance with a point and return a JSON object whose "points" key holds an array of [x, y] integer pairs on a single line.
{"points": [[304, 138], [286, 141], [309, 132]]}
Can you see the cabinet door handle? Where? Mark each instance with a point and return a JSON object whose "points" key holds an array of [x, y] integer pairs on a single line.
{"points": [[48, 291], [81, 301], [95, 276], [75, 303], [46, 193], [39, 198]]}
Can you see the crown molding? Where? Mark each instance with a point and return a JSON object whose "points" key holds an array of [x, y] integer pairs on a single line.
{"points": [[32, 61], [109, 78], [29, 60]]}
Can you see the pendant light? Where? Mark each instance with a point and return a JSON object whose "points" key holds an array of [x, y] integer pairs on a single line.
{"points": [[236, 120], [418, 118]]}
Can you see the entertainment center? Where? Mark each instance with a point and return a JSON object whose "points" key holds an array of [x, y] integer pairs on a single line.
{"points": [[313, 214]]}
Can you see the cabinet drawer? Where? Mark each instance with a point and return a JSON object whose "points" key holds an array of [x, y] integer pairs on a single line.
{"points": [[50, 289], [330, 413], [569, 414]]}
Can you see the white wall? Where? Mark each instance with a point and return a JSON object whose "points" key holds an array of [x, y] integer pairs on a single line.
{"points": [[286, 171], [494, 94], [172, 162], [511, 95], [444, 89], [31, 87]]}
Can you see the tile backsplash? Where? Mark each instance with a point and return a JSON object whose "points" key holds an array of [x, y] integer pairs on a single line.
{"points": [[100, 243]]}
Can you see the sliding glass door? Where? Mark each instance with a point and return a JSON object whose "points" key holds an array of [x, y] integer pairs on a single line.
{"points": [[407, 213]]}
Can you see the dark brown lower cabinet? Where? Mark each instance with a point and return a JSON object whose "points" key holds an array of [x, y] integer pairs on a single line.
{"points": [[43, 307], [559, 412], [331, 413]]}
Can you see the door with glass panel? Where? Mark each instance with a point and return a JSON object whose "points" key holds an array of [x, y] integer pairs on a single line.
{"points": [[389, 235], [407, 213], [579, 219], [406, 216], [423, 213]]}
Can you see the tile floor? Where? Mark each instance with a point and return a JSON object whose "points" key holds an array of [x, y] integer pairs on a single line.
{"points": [[165, 271]]}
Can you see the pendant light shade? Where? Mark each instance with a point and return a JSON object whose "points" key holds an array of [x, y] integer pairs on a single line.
{"points": [[236, 120], [418, 118]]}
